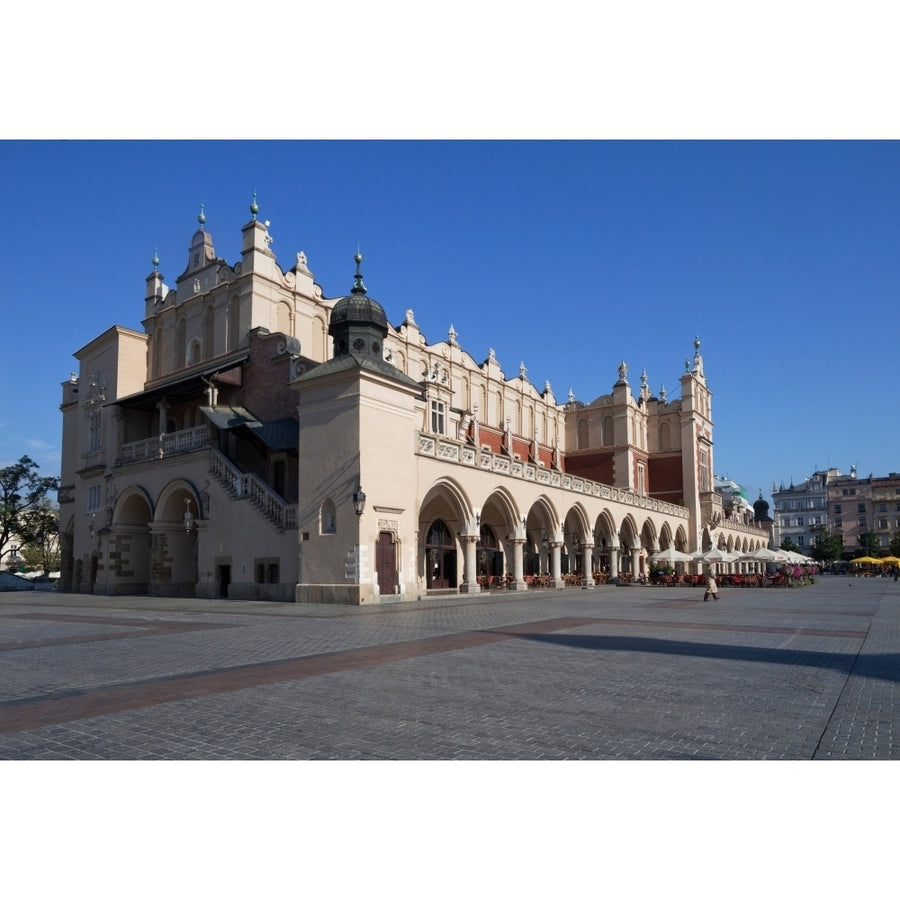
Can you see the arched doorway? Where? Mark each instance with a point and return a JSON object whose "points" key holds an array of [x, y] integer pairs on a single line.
{"points": [[489, 554], [440, 556]]}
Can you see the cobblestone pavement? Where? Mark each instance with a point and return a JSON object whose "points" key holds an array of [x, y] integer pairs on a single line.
{"points": [[611, 673]]}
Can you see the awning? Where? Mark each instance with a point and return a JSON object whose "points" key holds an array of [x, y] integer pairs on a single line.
{"points": [[278, 434], [228, 417]]}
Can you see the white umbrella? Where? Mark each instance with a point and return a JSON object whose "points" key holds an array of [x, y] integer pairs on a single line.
{"points": [[670, 556], [715, 555], [764, 554]]}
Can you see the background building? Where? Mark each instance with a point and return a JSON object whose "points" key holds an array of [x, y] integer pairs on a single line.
{"points": [[802, 511]]}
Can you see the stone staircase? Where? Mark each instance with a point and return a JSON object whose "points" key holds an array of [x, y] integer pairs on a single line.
{"points": [[246, 486]]}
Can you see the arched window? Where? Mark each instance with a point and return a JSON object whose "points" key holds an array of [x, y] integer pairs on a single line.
{"points": [[665, 436], [582, 434], [180, 343], [608, 436], [233, 325], [327, 517], [209, 349]]}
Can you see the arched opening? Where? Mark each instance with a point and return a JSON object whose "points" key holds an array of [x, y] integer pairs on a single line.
{"points": [[440, 555], [489, 554]]}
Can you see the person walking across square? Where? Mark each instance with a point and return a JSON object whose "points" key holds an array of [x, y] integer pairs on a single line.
{"points": [[711, 588]]}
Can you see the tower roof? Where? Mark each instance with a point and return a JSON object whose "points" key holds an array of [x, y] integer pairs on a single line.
{"points": [[358, 308]]}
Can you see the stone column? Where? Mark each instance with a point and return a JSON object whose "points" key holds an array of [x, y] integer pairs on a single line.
{"points": [[470, 585], [556, 570], [613, 563], [635, 563], [518, 565], [588, 568]]}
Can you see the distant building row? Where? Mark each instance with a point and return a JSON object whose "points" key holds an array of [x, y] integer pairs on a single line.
{"points": [[845, 505]]}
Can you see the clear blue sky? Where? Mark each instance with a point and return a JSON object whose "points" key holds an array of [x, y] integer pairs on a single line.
{"points": [[567, 256]]}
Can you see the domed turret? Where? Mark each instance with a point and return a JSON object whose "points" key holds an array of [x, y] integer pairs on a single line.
{"points": [[761, 510], [358, 322]]}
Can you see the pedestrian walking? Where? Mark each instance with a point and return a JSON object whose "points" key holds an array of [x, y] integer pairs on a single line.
{"points": [[711, 588]]}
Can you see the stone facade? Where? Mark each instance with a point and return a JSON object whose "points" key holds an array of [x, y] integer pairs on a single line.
{"points": [[224, 451]]}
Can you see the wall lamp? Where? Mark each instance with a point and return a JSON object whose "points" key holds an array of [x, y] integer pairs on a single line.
{"points": [[359, 500]]}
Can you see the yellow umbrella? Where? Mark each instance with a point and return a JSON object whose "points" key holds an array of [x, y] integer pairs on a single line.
{"points": [[868, 560], [890, 561]]}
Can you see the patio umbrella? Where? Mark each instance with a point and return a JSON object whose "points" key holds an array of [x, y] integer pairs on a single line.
{"points": [[764, 554], [865, 560], [890, 561], [715, 555], [670, 556]]}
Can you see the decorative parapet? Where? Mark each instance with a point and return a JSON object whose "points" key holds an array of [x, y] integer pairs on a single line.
{"points": [[166, 444], [458, 453]]}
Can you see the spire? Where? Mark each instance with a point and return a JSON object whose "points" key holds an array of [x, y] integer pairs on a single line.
{"points": [[358, 286], [254, 207], [155, 259], [698, 359], [201, 217]]}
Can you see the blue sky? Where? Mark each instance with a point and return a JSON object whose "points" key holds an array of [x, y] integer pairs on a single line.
{"points": [[569, 256]]}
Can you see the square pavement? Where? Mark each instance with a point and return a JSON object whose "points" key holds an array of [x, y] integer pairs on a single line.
{"points": [[612, 673]]}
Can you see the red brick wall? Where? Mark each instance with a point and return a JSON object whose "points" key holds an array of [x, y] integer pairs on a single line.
{"points": [[665, 478], [598, 465]]}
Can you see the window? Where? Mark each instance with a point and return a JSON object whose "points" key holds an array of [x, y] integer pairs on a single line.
{"points": [[800, 540], [837, 509], [838, 521], [861, 507], [328, 517], [800, 521], [861, 521], [93, 431], [267, 570], [640, 479], [882, 507], [93, 498], [883, 523], [438, 409]]}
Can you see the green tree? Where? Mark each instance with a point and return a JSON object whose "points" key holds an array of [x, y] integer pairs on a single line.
{"points": [[827, 546], [869, 545], [788, 544], [40, 537], [894, 545], [22, 492]]}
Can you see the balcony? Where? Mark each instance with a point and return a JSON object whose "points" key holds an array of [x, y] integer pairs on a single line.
{"points": [[165, 445]]}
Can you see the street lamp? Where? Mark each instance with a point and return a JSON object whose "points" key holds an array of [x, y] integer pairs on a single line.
{"points": [[188, 516], [359, 500]]}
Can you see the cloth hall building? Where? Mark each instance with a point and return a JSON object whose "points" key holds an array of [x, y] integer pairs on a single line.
{"points": [[258, 440]]}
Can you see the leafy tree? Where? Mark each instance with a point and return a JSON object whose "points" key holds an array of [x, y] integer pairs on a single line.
{"points": [[827, 546], [894, 545], [869, 544], [22, 492], [40, 537], [788, 544]]}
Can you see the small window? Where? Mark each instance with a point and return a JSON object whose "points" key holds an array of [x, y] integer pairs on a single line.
{"points": [[438, 412], [328, 517]]}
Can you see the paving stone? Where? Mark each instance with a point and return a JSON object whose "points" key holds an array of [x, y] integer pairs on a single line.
{"points": [[614, 673]]}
